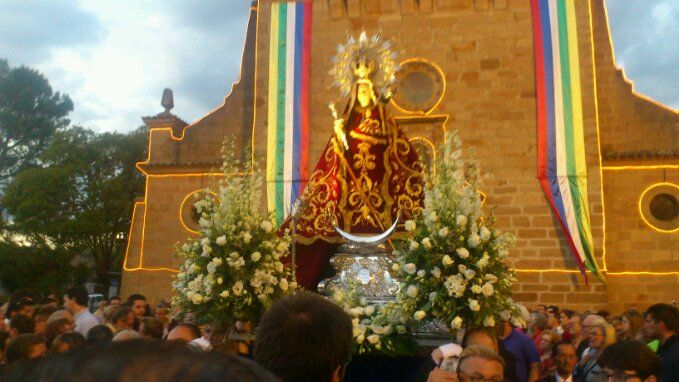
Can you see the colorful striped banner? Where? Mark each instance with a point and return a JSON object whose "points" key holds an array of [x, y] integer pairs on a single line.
{"points": [[562, 170], [288, 123]]}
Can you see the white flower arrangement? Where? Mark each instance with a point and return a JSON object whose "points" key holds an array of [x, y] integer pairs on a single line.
{"points": [[233, 272], [460, 248]]}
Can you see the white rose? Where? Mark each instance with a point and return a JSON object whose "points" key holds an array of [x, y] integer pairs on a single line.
{"points": [[490, 278], [476, 289], [505, 315], [204, 223], [484, 233], [431, 216], [489, 321], [463, 253], [266, 226], [293, 285], [220, 280], [373, 339], [443, 232], [211, 267], [413, 245], [419, 315], [426, 243], [255, 256], [369, 310], [206, 250], [474, 305], [436, 272], [461, 220], [447, 260], [410, 225], [247, 237], [395, 267], [474, 240], [483, 262], [469, 274], [456, 323], [488, 289], [221, 240], [283, 284], [400, 329], [224, 294], [279, 267], [461, 268], [412, 291], [432, 296], [338, 296], [421, 273], [237, 288], [217, 261], [410, 268], [197, 298], [360, 339]]}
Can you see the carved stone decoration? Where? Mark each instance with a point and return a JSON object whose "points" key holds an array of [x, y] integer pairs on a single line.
{"points": [[420, 86]]}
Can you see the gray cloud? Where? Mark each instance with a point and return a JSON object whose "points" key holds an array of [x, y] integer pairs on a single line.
{"points": [[645, 37], [31, 29]]}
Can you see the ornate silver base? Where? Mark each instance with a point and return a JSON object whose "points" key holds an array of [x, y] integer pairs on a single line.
{"points": [[365, 265]]}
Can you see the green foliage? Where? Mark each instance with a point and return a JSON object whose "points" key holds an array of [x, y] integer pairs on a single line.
{"points": [[80, 198], [38, 269], [30, 113]]}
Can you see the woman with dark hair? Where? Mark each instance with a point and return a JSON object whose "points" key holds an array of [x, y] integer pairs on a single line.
{"points": [[632, 322]]}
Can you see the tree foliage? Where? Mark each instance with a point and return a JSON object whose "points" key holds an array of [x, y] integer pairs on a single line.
{"points": [[30, 113], [81, 195], [38, 268]]}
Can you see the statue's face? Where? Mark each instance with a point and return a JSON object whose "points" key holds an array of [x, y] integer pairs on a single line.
{"points": [[365, 95]]}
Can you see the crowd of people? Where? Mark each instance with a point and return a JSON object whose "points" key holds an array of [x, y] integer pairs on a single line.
{"points": [[304, 337]]}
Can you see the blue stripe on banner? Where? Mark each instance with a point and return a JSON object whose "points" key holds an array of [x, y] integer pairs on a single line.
{"points": [[551, 119], [297, 124]]}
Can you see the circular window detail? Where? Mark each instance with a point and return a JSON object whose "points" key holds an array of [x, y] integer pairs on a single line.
{"points": [[188, 214], [659, 207], [420, 86]]}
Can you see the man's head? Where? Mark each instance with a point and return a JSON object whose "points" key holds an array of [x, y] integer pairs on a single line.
{"points": [[631, 361], [565, 358], [482, 337], [115, 300], [122, 317], [75, 299], [21, 324], [574, 325], [480, 362], [162, 311], [304, 337], [23, 306], [138, 304], [25, 346], [537, 323], [565, 317], [552, 316], [588, 322], [661, 321], [151, 327], [184, 333]]}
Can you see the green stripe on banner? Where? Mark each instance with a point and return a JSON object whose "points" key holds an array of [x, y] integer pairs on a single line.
{"points": [[568, 125], [280, 120]]}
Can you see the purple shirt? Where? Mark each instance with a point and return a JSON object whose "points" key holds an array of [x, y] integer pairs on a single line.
{"points": [[524, 350]]}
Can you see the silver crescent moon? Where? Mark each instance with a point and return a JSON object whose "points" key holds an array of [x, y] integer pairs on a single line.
{"points": [[376, 239]]}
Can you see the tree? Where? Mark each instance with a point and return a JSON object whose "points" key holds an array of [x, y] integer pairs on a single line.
{"points": [[38, 268], [80, 198], [30, 113]]}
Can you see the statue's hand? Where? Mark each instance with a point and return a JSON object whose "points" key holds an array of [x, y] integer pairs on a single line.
{"points": [[338, 126]]}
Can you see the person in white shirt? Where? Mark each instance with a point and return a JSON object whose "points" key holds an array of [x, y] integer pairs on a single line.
{"points": [[75, 301]]}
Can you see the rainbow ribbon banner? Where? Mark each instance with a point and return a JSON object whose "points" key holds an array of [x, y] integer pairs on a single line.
{"points": [[562, 170], [288, 113]]}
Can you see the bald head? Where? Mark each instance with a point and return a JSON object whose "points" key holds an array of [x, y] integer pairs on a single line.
{"points": [[184, 333]]}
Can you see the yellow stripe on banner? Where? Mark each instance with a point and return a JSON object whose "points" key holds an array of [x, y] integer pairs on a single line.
{"points": [[272, 115], [578, 126]]}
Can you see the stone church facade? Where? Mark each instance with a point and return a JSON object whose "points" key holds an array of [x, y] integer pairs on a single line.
{"points": [[472, 63]]}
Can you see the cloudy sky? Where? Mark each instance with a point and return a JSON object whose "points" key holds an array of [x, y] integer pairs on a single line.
{"points": [[113, 58]]}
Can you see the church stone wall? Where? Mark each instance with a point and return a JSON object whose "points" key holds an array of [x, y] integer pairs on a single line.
{"points": [[485, 49]]}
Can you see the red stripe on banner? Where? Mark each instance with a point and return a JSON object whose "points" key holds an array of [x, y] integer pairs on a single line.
{"points": [[304, 97], [540, 91]]}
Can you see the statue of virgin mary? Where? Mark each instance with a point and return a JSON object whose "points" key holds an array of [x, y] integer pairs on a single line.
{"points": [[369, 174]]}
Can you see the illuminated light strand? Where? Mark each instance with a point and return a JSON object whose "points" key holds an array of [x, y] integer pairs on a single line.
{"points": [[181, 209], [443, 93], [622, 70], [598, 137], [642, 167], [650, 273], [641, 213]]}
